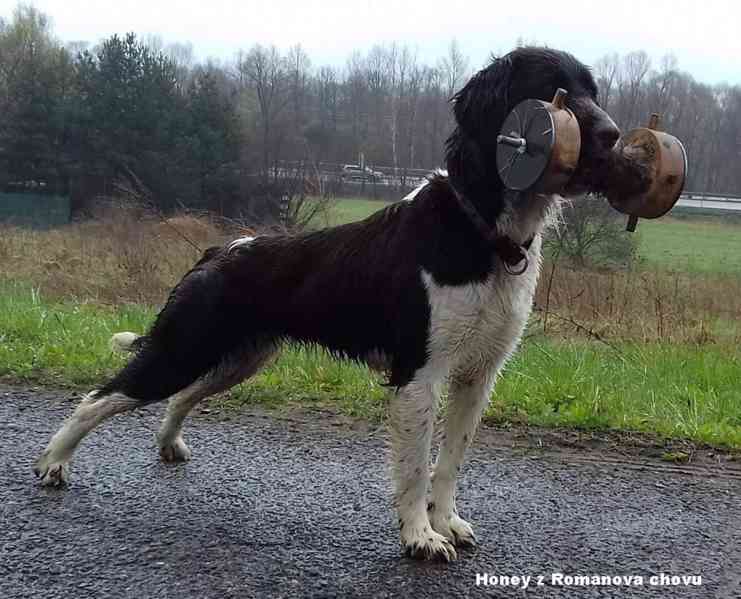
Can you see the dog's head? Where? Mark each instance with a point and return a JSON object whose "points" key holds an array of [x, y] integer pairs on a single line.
{"points": [[485, 101]]}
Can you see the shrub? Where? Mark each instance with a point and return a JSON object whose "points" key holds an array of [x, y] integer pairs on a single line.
{"points": [[591, 233]]}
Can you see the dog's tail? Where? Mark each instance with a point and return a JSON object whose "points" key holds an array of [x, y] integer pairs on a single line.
{"points": [[200, 325], [126, 341]]}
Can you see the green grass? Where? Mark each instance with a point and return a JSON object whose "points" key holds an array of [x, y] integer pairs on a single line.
{"points": [[347, 210], [688, 244], [673, 390], [676, 391], [692, 244], [58, 343]]}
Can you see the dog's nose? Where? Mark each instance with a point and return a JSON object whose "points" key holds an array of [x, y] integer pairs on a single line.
{"points": [[607, 134]]}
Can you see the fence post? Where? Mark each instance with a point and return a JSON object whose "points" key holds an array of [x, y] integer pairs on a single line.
{"points": [[284, 210]]}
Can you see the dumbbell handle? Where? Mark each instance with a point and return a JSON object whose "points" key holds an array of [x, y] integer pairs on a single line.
{"points": [[515, 142]]}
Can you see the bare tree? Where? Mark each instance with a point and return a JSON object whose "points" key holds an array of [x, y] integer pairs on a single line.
{"points": [[436, 114], [664, 82], [607, 71], [263, 71], [454, 68], [400, 63], [357, 98], [328, 98], [636, 66], [298, 67], [379, 77], [416, 77], [182, 57]]}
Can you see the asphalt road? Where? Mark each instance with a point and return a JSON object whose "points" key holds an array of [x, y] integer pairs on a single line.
{"points": [[301, 508]]}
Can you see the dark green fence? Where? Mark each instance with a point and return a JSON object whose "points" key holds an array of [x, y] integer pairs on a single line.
{"points": [[34, 210]]}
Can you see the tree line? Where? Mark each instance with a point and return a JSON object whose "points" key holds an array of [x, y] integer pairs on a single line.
{"points": [[79, 120]]}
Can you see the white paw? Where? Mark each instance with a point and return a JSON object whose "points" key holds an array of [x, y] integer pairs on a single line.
{"points": [[454, 528], [425, 543], [52, 472], [177, 451]]}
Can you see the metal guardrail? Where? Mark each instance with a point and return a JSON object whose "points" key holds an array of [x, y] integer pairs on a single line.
{"points": [[710, 201], [703, 195], [411, 177]]}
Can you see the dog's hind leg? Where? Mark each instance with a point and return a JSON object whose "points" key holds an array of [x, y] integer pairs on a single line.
{"points": [[412, 416], [170, 438], [232, 371], [53, 464], [468, 397], [152, 375]]}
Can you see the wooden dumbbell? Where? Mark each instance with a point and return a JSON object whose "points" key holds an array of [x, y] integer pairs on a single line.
{"points": [[648, 171], [538, 146]]}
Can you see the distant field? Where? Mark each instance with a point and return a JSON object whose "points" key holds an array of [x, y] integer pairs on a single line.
{"points": [[350, 209], [702, 244], [692, 245]]}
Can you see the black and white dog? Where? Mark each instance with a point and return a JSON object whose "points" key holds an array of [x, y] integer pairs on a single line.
{"points": [[418, 290]]}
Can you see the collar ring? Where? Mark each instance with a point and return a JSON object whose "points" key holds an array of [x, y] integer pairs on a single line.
{"points": [[515, 269]]}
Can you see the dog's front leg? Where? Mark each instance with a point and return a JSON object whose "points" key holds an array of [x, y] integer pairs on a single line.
{"points": [[412, 419], [467, 399]]}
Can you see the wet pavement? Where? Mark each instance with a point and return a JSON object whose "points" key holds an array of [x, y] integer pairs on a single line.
{"points": [[301, 507]]}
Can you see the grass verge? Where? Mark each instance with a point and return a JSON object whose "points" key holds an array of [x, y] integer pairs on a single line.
{"points": [[676, 391]]}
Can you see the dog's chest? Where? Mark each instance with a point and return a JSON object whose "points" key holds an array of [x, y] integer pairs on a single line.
{"points": [[480, 321]]}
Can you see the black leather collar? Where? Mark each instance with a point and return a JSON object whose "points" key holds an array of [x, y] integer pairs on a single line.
{"points": [[514, 256]]}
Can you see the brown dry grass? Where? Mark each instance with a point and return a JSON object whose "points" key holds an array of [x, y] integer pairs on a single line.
{"points": [[640, 305], [128, 255], [120, 256]]}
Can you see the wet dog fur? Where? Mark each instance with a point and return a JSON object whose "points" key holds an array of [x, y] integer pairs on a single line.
{"points": [[413, 290]]}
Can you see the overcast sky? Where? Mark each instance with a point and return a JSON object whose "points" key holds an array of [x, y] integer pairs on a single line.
{"points": [[705, 36]]}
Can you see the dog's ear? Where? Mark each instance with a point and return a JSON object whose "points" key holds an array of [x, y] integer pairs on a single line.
{"points": [[485, 98]]}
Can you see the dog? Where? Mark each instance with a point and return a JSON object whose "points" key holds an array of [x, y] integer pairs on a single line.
{"points": [[435, 289]]}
